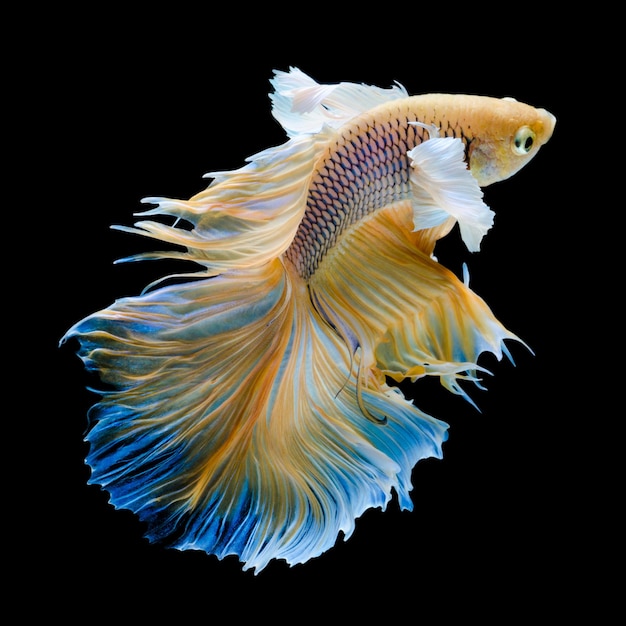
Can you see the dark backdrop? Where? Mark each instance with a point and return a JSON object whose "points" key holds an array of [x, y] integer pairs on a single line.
{"points": [[135, 110]]}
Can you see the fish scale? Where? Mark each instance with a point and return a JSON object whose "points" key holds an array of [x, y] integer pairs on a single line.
{"points": [[366, 170]]}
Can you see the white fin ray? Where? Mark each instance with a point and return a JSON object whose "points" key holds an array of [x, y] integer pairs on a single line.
{"points": [[301, 105], [443, 187], [245, 217]]}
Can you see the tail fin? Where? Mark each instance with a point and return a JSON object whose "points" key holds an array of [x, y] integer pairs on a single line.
{"points": [[233, 425]]}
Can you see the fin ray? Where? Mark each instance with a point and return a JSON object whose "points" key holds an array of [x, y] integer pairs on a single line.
{"points": [[411, 316], [244, 218], [303, 106], [235, 417]]}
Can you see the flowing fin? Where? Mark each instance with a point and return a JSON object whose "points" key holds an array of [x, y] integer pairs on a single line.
{"points": [[245, 217], [303, 106], [233, 424], [443, 187], [410, 316]]}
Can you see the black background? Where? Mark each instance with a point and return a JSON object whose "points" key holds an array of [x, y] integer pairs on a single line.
{"points": [[134, 108]]}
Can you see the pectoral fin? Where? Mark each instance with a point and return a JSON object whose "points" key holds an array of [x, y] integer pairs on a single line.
{"points": [[444, 188]]}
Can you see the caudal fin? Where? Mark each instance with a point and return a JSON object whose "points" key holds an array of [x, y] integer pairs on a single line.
{"points": [[233, 425]]}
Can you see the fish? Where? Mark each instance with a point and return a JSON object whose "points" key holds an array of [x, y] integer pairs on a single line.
{"points": [[251, 407]]}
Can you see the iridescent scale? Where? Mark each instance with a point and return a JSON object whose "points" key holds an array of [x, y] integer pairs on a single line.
{"points": [[367, 169]]}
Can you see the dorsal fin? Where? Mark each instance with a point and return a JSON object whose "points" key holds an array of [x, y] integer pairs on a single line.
{"points": [[302, 105]]}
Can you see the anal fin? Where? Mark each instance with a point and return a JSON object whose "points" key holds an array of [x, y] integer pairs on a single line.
{"points": [[409, 315]]}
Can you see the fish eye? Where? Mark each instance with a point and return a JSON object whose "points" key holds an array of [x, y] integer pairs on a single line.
{"points": [[524, 140]]}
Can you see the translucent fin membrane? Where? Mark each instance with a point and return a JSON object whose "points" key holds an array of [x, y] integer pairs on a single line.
{"points": [[408, 314], [301, 105], [245, 218], [234, 425]]}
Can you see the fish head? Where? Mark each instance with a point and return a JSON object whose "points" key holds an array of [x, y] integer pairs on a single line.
{"points": [[511, 134]]}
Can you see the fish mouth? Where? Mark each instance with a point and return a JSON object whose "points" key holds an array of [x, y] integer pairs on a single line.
{"points": [[549, 122]]}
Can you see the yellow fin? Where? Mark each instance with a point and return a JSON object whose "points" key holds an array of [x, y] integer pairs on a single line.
{"points": [[235, 425], [246, 217], [408, 314]]}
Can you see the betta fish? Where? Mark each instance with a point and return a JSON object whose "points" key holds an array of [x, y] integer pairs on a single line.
{"points": [[252, 406]]}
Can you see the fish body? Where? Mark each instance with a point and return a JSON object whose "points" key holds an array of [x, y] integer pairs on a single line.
{"points": [[248, 410], [366, 165]]}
